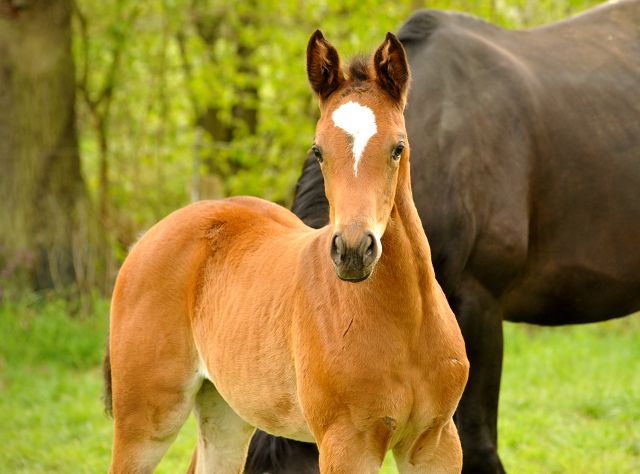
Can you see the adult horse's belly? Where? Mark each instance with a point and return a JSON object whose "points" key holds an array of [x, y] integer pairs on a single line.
{"points": [[571, 294]]}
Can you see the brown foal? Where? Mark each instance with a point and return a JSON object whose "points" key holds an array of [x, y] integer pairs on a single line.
{"points": [[237, 311]]}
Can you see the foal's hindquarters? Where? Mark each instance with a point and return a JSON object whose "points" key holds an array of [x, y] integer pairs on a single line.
{"points": [[237, 311]]}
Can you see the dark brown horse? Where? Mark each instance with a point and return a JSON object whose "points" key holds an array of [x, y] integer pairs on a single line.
{"points": [[526, 175], [239, 312]]}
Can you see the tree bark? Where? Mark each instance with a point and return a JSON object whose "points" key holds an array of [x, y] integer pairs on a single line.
{"points": [[44, 208]]}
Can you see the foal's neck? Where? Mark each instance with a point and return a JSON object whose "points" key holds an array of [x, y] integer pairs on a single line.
{"points": [[406, 232]]}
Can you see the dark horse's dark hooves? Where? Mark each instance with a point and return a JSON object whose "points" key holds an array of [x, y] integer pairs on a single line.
{"points": [[271, 455]]}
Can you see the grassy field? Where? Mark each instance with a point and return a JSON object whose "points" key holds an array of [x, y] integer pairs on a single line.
{"points": [[570, 399]]}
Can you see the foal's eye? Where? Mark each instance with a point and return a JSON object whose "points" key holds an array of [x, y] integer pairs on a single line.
{"points": [[397, 151], [317, 153]]}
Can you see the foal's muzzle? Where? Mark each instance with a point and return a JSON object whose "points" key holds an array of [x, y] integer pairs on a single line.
{"points": [[355, 261]]}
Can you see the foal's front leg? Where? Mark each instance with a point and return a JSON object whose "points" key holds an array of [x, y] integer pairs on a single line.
{"points": [[223, 437], [437, 453], [346, 450]]}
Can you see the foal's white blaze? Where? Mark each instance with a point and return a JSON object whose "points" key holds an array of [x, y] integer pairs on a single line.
{"points": [[360, 124]]}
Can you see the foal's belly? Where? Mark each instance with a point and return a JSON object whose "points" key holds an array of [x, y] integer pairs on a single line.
{"points": [[277, 414], [265, 398]]}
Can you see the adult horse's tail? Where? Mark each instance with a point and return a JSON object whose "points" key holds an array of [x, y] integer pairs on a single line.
{"points": [[106, 376], [272, 455], [269, 454]]}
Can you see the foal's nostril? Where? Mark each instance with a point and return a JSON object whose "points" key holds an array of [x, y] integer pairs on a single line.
{"points": [[366, 246], [338, 241], [337, 248], [370, 249], [354, 262]]}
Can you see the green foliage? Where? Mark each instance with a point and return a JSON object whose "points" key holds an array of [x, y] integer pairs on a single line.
{"points": [[151, 73]]}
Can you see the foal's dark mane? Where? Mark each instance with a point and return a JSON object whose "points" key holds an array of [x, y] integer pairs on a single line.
{"points": [[360, 73], [359, 70]]}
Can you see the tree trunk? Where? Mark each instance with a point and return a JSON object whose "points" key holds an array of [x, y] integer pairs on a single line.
{"points": [[44, 208]]}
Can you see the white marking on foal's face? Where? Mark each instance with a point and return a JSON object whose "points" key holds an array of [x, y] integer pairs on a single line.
{"points": [[360, 124]]}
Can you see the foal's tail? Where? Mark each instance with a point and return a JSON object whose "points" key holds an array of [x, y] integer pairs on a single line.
{"points": [[106, 376]]}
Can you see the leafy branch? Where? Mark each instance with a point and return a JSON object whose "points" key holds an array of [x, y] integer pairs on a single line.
{"points": [[99, 104]]}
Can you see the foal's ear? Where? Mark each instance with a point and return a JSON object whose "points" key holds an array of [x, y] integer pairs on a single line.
{"points": [[392, 69], [323, 66]]}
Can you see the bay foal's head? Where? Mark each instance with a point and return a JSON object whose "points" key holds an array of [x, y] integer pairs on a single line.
{"points": [[360, 143]]}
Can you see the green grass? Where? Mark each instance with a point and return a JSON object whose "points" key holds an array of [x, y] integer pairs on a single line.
{"points": [[570, 400]]}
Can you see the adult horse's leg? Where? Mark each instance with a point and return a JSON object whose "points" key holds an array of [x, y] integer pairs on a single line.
{"points": [[223, 437], [477, 414]]}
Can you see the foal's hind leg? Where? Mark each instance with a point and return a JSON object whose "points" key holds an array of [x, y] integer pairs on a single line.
{"points": [[223, 437], [154, 381], [146, 424]]}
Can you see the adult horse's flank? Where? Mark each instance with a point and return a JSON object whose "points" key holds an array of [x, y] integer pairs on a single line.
{"points": [[233, 308], [526, 175]]}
